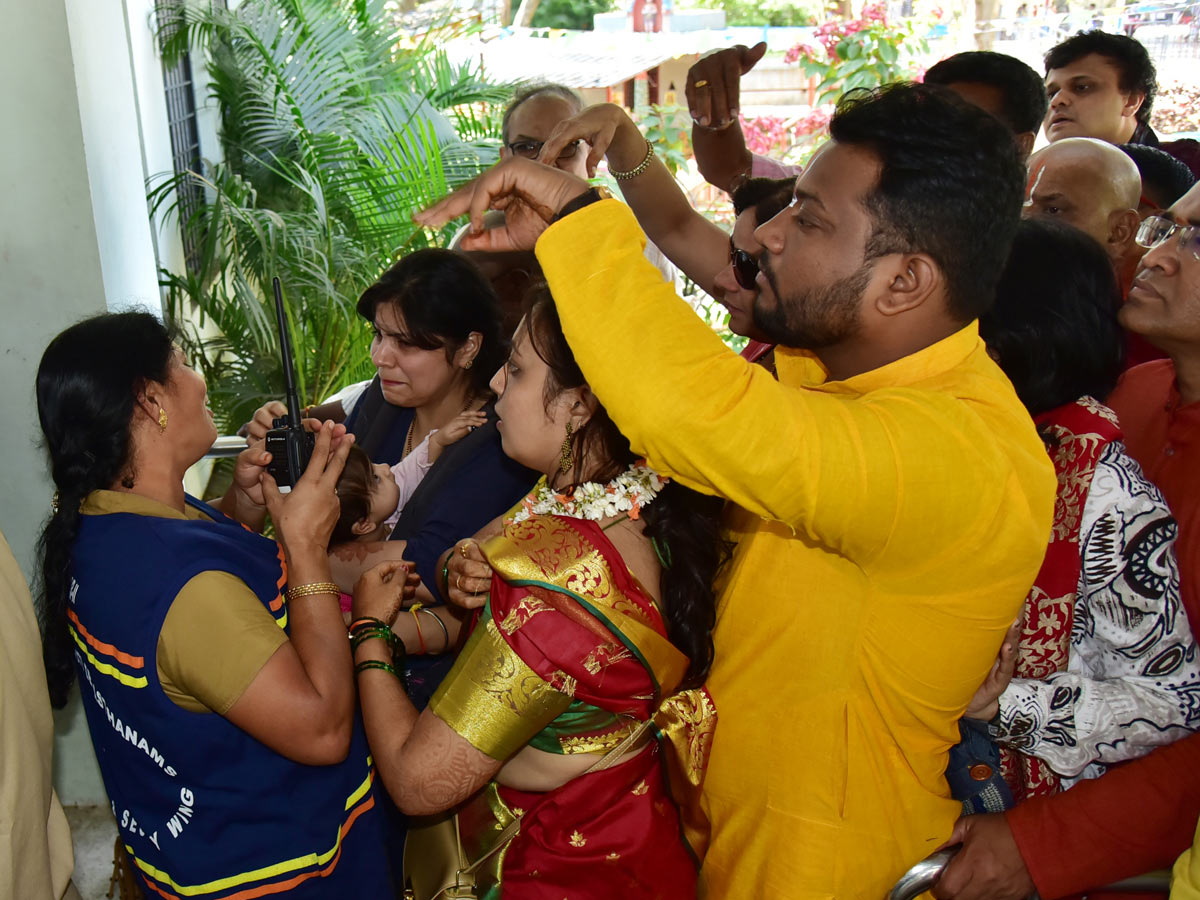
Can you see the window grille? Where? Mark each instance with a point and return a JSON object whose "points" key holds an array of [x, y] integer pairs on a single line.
{"points": [[185, 135]]}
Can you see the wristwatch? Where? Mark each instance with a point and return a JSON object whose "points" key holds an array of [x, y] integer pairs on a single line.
{"points": [[588, 197], [993, 725]]}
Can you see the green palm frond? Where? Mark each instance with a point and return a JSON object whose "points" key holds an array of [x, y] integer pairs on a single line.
{"points": [[333, 137]]}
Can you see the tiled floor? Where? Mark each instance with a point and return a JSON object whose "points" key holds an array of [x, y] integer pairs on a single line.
{"points": [[93, 832]]}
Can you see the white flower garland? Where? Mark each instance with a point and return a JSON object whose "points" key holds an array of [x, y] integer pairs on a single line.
{"points": [[627, 493]]}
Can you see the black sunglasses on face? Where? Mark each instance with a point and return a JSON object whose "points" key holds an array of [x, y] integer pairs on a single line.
{"points": [[531, 149], [745, 267]]}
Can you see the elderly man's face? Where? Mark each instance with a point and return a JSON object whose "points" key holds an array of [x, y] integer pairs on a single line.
{"points": [[1065, 192], [1164, 303], [530, 125]]}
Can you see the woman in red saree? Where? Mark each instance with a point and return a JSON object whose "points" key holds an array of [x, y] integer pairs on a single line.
{"points": [[573, 727]]}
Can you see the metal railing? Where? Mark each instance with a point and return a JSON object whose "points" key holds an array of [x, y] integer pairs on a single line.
{"points": [[225, 446], [925, 874]]}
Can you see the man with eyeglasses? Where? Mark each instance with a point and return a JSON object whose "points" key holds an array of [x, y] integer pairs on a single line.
{"points": [[1140, 816], [665, 213], [1159, 402], [1096, 187], [755, 202], [530, 118]]}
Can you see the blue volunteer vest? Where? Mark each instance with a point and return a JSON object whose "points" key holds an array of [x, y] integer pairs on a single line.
{"points": [[205, 810]]}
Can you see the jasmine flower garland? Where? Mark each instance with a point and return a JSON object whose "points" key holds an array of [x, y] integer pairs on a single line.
{"points": [[627, 493]]}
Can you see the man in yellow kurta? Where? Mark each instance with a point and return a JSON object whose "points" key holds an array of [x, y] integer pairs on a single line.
{"points": [[893, 500]]}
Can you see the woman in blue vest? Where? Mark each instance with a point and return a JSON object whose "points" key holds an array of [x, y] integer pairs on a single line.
{"points": [[213, 662]]}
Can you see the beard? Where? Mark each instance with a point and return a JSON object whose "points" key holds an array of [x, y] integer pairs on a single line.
{"points": [[812, 318]]}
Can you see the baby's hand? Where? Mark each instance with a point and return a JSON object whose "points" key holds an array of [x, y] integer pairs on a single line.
{"points": [[460, 426]]}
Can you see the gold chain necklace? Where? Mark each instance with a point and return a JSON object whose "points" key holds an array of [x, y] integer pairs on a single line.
{"points": [[408, 439]]}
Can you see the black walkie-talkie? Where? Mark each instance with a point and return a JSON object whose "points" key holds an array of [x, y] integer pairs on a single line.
{"points": [[289, 442]]}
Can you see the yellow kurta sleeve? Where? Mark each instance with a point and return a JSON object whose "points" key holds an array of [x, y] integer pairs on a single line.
{"points": [[1185, 877], [862, 469]]}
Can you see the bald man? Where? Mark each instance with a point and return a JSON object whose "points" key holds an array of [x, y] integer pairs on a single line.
{"points": [[1094, 186]]}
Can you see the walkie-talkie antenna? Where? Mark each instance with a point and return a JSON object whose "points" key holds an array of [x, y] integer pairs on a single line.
{"points": [[285, 351]]}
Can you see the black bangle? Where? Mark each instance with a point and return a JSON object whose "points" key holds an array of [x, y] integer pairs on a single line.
{"points": [[587, 198], [363, 622]]}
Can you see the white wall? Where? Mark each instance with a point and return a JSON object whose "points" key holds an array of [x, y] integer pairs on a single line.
{"points": [[112, 140], [82, 90]]}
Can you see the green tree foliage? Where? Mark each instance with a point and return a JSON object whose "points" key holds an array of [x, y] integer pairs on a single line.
{"points": [[862, 52], [573, 14], [669, 129], [332, 136], [766, 12]]}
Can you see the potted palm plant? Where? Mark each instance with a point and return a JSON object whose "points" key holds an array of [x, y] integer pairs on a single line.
{"points": [[335, 127]]}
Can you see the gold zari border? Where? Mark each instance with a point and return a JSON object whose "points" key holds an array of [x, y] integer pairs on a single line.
{"points": [[492, 698], [545, 551]]}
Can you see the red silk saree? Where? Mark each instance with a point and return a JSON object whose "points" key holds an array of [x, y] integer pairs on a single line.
{"points": [[570, 656]]}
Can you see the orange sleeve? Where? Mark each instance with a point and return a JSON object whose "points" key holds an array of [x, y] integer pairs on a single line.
{"points": [[1134, 819]]}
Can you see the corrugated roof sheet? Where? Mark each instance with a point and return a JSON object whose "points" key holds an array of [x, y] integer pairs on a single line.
{"points": [[579, 59]]}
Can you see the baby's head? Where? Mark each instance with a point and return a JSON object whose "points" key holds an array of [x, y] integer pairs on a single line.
{"points": [[368, 495]]}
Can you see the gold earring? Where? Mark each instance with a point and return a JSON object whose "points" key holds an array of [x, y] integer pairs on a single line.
{"points": [[469, 363], [566, 459], [162, 420]]}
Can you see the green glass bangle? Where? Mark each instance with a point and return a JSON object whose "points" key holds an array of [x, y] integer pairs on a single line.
{"points": [[365, 634], [446, 574], [376, 664]]}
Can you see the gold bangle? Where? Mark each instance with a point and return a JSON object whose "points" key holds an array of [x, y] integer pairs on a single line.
{"points": [[636, 170], [308, 590]]}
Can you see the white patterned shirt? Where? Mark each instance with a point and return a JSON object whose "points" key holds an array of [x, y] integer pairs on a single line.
{"points": [[1132, 681]]}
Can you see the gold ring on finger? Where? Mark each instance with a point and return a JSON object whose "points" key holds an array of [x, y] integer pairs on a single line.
{"points": [[703, 82], [458, 582], [462, 548]]}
